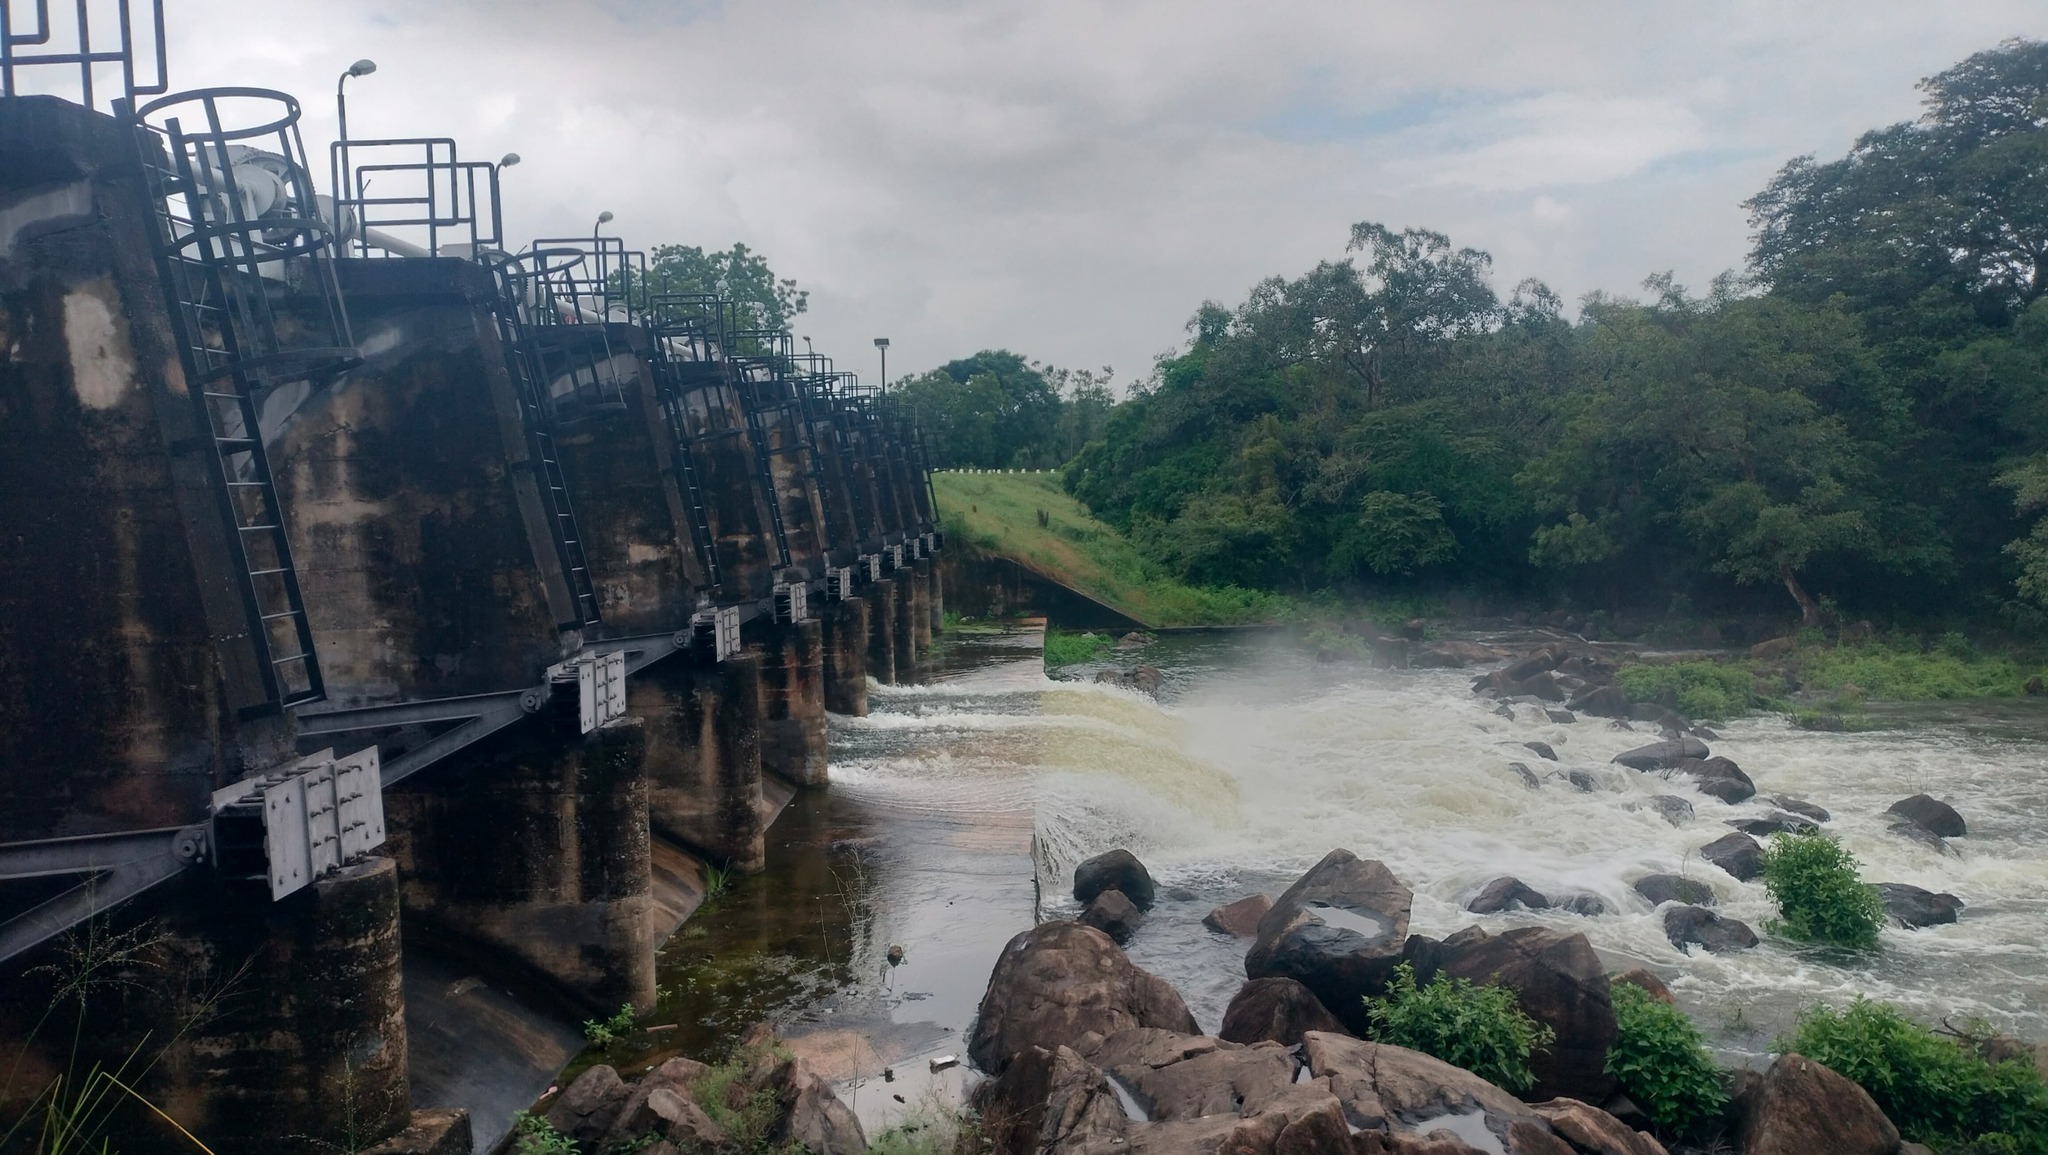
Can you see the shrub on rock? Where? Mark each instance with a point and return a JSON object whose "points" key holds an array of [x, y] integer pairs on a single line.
{"points": [[1660, 1059], [1938, 1092], [1481, 1029], [1819, 896]]}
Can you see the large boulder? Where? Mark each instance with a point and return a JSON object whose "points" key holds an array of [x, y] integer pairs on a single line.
{"points": [[1801, 1108], [1671, 808], [1060, 981], [1914, 908], [1930, 814], [1800, 807], [1116, 870], [1663, 888], [1114, 915], [1601, 702], [1737, 853], [811, 1117], [1588, 1128], [1662, 755], [587, 1108], [1718, 777], [1914, 832], [1506, 893], [1047, 1100], [1173, 1076], [1239, 919], [1338, 930], [1690, 926], [1275, 1010], [1559, 982]]}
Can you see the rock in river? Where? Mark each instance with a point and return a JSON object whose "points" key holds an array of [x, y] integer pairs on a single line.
{"points": [[1663, 888], [1930, 814], [1338, 930], [1116, 870], [1690, 926], [1671, 808], [1059, 981], [1913, 908], [1718, 778], [1662, 755], [1774, 822], [1559, 982], [1737, 853], [1114, 915], [1506, 893], [1239, 919]]}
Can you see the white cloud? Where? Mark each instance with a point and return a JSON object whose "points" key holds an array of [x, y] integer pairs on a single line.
{"points": [[1070, 178]]}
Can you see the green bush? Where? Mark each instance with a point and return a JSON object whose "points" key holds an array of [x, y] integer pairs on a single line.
{"points": [[1702, 691], [1661, 1061], [602, 1033], [1479, 1028], [1935, 1090], [1819, 896], [1065, 649], [533, 1135]]}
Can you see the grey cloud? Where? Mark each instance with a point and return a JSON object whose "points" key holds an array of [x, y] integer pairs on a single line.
{"points": [[1072, 178]]}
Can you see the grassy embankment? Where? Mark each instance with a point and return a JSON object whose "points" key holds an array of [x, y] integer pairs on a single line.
{"points": [[1826, 685], [998, 513]]}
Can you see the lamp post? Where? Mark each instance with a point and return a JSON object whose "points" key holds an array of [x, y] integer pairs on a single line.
{"points": [[882, 343], [362, 67]]}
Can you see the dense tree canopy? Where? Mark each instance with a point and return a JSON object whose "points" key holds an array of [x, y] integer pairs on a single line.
{"points": [[739, 274], [1860, 421], [995, 410]]}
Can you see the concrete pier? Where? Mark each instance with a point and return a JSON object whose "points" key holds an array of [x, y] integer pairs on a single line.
{"points": [[882, 632], [704, 731], [793, 692], [921, 625], [904, 623], [846, 657], [935, 585], [533, 848]]}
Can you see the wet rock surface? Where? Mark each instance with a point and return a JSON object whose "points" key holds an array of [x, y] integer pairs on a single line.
{"points": [[1338, 930], [1115, 870], [1913, 908], [1559, 982], [1930, 814], [1690, 926], [1737, 853], [1060, 981], [1800, 1107], [1239, 919], [1275, 1010], [1662, 888], [1114, 915], [1506, 893]]}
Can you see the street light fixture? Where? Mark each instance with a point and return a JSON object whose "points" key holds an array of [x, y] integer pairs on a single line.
{"points": [[339, 176], [508, 160], [882, 343]]}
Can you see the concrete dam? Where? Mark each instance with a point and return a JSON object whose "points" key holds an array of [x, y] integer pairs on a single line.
{"points": [[384, 603]]}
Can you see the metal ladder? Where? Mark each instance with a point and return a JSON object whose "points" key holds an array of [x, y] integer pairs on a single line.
{"points": [[686, 469], [522, 361], [210, 303]]}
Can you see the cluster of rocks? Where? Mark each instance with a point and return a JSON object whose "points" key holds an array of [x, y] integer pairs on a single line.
{"points": [[1115, 891], [1088, 1053], [664, 1113], [1585, 685]]}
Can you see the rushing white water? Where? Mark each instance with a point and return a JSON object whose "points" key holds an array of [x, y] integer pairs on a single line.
{"points": [[1259, 761], [1259, 767]]}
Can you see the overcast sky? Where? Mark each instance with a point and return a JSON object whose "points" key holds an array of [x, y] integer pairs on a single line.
{"points": [[1070, 179]]}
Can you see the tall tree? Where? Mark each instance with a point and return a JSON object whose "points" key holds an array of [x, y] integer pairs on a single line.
{"points": [[738, 274]]}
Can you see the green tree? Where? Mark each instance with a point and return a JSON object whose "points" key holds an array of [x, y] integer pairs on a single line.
{"points": [[994, 410], [738, 274]]}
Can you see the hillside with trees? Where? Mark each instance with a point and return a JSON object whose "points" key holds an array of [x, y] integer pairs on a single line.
{"points": [[1856, 423]]}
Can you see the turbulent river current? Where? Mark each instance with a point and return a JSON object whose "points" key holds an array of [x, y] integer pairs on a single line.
{"points": [[959, 808]]}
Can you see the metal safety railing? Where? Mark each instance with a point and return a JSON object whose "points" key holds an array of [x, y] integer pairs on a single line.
{"points": [[414, 197], [61, 50]]}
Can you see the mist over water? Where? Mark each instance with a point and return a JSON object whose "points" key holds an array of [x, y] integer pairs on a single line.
{"points": [[1260, 761], [981, 791]]}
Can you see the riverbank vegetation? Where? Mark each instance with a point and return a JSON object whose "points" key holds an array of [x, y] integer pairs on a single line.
{"points": [[1941, 1090], [1481, 1029], [1028, 518], [1854, 425], [1821, 898], [1661, 1061]]}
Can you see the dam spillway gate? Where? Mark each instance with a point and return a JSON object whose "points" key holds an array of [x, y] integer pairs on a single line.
{"points": [[376, 588]]}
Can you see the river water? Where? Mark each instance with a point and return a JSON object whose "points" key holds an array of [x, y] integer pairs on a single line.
{"points": [[959, 807]]}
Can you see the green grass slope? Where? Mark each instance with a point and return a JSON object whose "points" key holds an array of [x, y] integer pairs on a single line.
{"points": [[998, 513]]}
